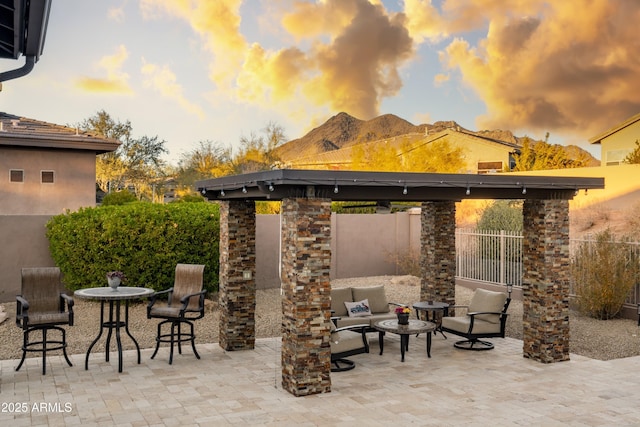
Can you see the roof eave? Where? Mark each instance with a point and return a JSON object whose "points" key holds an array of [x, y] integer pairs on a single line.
{"points": [[598, 139], [78, 142]]}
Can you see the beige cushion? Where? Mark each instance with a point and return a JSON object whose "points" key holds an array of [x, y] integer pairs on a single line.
{"points": [[358, 309], [461, 324], [345, 341], [375, 295], [484, 300], [370, 320], [338, 297]]}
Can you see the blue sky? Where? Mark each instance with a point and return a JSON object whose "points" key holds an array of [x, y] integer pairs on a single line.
{"points": [[189, 71]]}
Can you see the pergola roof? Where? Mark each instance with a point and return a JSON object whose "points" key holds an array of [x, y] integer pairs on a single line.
{"points": [[391, 186]]}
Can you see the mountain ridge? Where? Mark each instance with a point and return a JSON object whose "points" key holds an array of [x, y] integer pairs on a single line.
{"points": [[343, 130]]}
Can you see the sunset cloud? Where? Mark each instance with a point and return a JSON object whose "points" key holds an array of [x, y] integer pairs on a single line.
{"points": [[424, 21], [538, 65], [218, 25], [359, 65], [357, 48], [116, 81], [116, 14], [163, 80], [554, 66]]}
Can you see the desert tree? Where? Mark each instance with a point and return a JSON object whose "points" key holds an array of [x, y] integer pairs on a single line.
{"points": [[633, 157]]}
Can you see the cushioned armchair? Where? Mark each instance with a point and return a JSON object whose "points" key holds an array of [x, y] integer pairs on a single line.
{"points": [[43, 306], [345, 342], [486, 317], [185, 304]]}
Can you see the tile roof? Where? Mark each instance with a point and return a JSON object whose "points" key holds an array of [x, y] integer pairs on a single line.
{"points": [[24, 132]]}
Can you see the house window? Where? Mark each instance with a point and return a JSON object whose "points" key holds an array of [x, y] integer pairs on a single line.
{"points": [[489, 167], [616, 157], [17, 175], [46, 177]]}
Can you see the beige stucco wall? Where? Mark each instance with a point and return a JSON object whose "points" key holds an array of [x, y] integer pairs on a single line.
{"points": [[24, 244], [26, 206], [361, 245], [74, 176], [622, 185], [477, 150]]}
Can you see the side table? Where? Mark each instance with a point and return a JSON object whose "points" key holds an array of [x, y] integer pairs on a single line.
{"points": [[432, 307], [115, 322]]}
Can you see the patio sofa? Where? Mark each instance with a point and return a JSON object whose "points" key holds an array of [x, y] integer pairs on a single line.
{"points": [[358, 299]]}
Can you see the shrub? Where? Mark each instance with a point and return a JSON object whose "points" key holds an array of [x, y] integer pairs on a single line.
{"points": [[501, 215], [143, 240], [604, 272], [408, 262], [190, 198], [118, 198]]}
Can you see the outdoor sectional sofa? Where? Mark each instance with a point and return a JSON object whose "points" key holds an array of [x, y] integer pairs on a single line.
{"points": [[380, 308]]}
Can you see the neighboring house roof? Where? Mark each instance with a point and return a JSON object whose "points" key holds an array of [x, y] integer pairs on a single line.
{"points": [[631, 120], [24, 132]]}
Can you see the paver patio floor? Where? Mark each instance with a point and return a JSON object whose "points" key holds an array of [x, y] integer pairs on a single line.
{"points": [[453, 388]]}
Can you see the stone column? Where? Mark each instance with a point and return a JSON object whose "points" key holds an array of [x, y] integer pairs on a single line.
{"points": [[545, 283], [237, 294], [438, 252], [306, 304]]}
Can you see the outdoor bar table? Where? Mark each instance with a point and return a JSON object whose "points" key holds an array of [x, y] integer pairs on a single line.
{"points": [[115, 322]]}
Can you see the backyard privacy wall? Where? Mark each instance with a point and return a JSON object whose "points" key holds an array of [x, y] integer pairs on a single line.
{"points": [[361, 245]]}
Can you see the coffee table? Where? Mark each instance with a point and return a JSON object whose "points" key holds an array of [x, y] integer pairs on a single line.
{"points": [[432, 307], [414, 327], [115, 322]]}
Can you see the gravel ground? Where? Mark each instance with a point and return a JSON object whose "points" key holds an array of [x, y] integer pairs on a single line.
{"points": [[603, 340]]}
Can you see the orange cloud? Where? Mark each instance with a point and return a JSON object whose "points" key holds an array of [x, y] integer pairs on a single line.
{"points": [[163, 80], [359, 65], [424, 22], [357, 48], [218, 24], [569, 66], [116, 80]]}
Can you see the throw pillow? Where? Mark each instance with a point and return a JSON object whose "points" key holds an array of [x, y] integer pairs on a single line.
{"points": [[358, 309]]}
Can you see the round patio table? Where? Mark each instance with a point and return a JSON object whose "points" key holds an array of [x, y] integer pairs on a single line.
{"points": [[115, 322], [414, 327]]}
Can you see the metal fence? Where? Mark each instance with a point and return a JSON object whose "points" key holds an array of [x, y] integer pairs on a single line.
{"points": [[496, 257], [489, 256]]}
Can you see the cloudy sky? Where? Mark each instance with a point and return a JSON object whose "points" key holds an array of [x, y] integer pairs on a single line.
{"points": [[195, 70]]}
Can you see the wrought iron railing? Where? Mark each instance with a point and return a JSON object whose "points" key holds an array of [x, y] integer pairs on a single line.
{"points": [[496, 257]]}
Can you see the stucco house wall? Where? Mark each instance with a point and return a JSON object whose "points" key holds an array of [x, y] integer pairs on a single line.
{"points": [[616, 143], [481, 150], [67, 157], [73, 186]]}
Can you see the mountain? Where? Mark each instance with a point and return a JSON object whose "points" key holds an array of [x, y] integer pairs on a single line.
{"points": [[343, 130]]}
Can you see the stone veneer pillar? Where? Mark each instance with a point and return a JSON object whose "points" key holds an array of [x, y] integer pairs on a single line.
{"points": [[306, 287], [237, 293], [438, 252], [545, 283]]}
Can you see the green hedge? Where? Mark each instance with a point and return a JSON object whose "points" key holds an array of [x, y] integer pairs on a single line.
{"points": [[143, 240]]}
